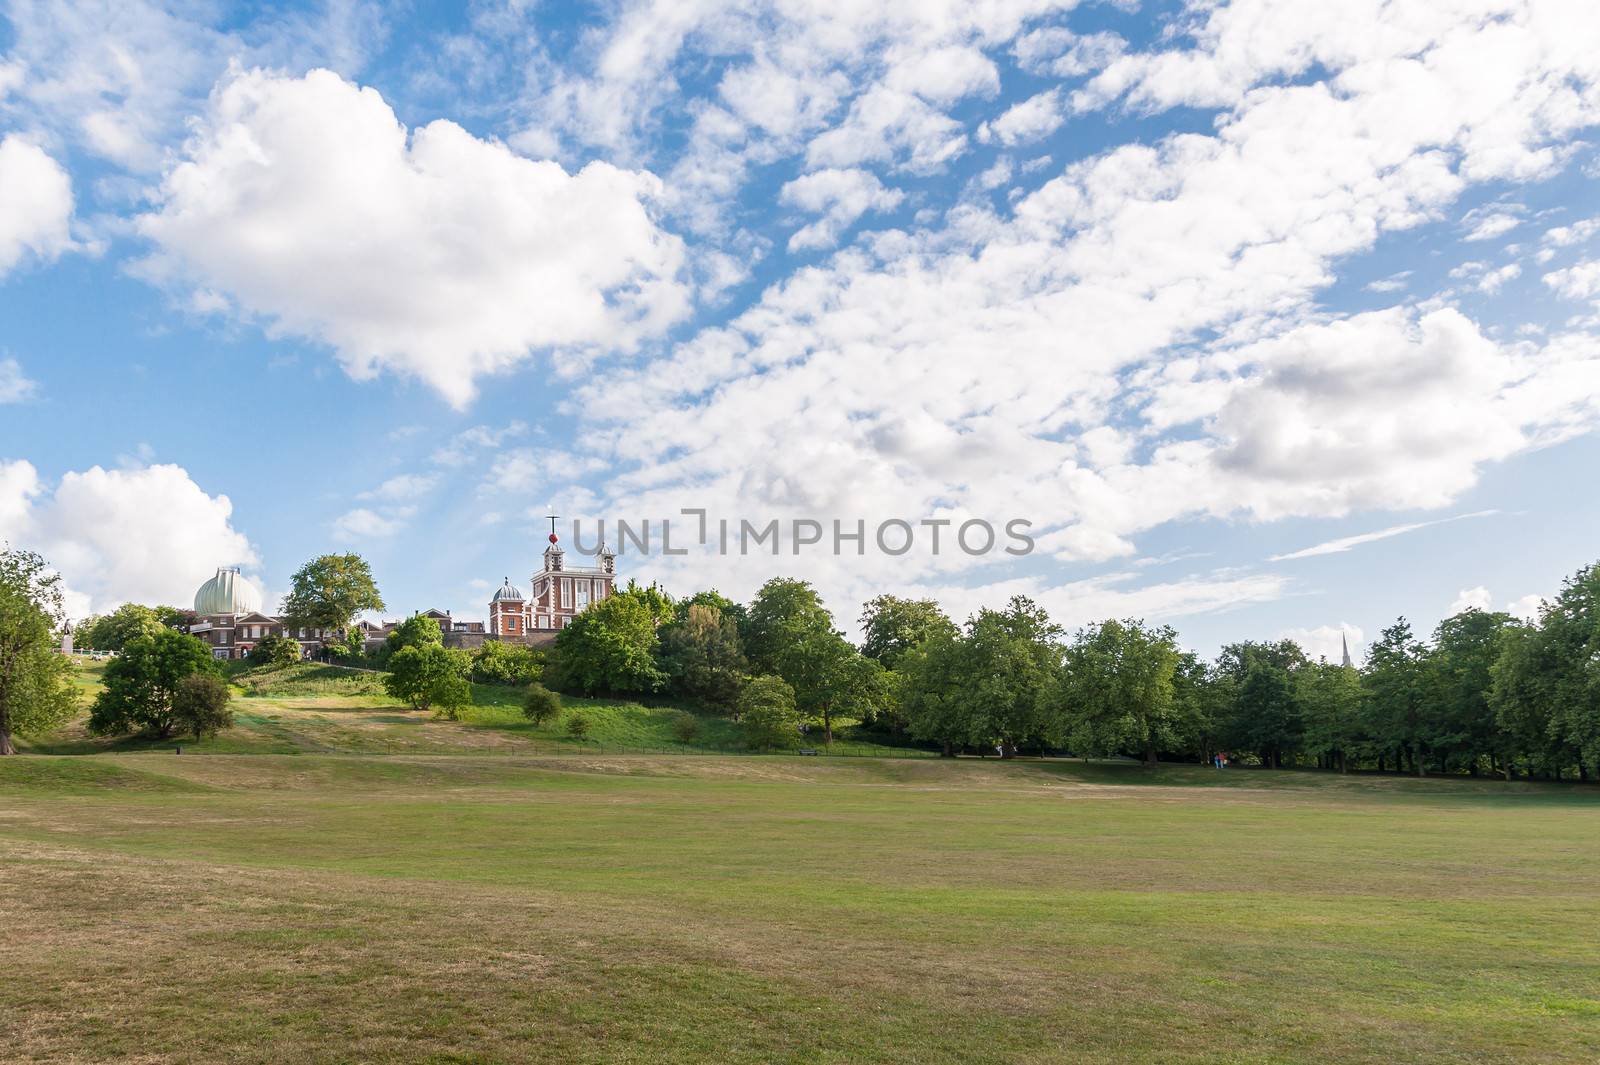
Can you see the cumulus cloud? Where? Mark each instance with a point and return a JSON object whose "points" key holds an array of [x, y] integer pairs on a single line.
{"points": [[840, 197], [1138, 341], [1471, 599], [403, 487], [147, 534], [1032, 119], [14, 385], [35, 204], [1578, 282], [365, 523], [429, 253]]}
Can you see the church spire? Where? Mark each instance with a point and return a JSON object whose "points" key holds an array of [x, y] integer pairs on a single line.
{"points": [[1344, 641]]}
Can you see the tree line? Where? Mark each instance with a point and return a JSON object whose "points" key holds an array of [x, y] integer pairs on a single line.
{"points": [[1484, 693]]}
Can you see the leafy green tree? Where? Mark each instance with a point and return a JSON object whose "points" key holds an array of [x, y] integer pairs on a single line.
{"points": [[891, 626], [700, 652], [128, 622], [1197, 697], [1262, 714], [497, 662], [685, 726], [768, 710], [579, 726], [651, 597], [1116, 690], [329, 591], [200, 705], [716, 600], [1569, 629], [783, 608], [274, 650], [609, 647], [415, 631], [1456, 684], [1520, 695], [1330, 699], [36, 693], [541, 705], [431, 677], [141, 684], [1012, 657], [1394, 679], [932, 693]]}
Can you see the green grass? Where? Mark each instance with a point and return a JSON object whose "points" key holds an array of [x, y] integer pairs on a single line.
{"points": [[340, 879]]}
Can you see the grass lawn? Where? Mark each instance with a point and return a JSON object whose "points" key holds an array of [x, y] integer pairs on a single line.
{"points": [[357, 883]]}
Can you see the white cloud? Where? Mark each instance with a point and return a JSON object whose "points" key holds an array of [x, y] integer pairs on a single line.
{"points": [[1345, 543], [363, 523], [1527, 608], [1471, 599], [1057, 51], [841, 197], [1327, 642], [1490, 223], [148, 534], [1032, 119], [1492, 281], [429, 253], [403, 487], [35, 204], [14, 385], [469, 443], [1578, 282]]}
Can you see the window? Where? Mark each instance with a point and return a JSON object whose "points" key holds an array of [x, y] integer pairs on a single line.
{"points": [[566, 592], [583, 594]]}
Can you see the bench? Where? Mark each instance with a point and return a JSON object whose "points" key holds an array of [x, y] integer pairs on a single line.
{"points": [[808, 750]]}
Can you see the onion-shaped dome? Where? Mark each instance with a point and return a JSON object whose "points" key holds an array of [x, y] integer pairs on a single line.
{"points": [[227, 593], [507, 594]]}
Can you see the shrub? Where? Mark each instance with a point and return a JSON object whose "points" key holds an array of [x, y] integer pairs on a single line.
{"points": [[503, 663], [200, 705], [141, 683], [541, 705], [578, 726], [686, 727], [275, 650]]}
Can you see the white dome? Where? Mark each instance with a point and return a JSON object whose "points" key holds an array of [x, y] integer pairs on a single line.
{"points": [[227, 593]]}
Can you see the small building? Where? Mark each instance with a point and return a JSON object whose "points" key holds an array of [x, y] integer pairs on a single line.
{"points": [[558, 594]]}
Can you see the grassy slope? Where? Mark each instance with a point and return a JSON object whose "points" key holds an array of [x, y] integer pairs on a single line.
{"points": [[383, 889], [310, 708], [618, 908]]}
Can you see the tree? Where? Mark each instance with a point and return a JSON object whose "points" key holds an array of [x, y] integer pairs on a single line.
{"points": [[767, 708], [1457, 681], [931, 692], [701, 654], [1012, 656], [714, 599], [142, 683], [1520, 696], [579, 725], [274, 650], [783, 607], [1393, 678], [36, 693], [415, 631], [1266, 718], [541, 705], [431, 677], [200, 705], [609, 647], [497, 662], [1116, 689], [892, 626], [116, 630], [329, 591], [1330, 698], [1569, 629], [652, 598]]}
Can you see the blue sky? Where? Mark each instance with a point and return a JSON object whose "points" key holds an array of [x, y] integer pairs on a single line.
{"points": [[1213, 294]]}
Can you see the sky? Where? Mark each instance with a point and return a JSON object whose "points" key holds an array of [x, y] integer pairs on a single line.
{"points": [[1271, 318]]}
